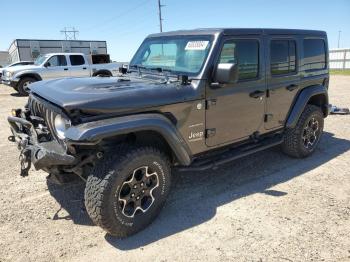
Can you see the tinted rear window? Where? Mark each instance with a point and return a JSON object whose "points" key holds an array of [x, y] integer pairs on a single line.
{"points": [[283, 54], [76, 60], [314, 54]]}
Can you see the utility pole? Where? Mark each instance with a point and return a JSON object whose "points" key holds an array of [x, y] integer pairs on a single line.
{"points": [[69, 33], [160, 16], [339, 38]]}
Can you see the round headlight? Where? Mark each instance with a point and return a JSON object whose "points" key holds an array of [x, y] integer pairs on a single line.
{"points": [[61, 125]]}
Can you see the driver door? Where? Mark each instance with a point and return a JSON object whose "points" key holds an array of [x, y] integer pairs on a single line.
{"points": [[56, 67], [236, 110]]}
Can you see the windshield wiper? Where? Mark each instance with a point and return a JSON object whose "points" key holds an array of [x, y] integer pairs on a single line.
{"points": [[158, 69], [161, 70], [183, 79], [137, 66]]}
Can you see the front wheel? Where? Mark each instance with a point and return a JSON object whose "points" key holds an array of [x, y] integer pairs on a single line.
{"points": [[23, 85], [302, 140], [127, 189]]}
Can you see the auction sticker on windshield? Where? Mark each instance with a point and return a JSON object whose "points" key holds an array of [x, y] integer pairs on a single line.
{"points": [[196, 45]]}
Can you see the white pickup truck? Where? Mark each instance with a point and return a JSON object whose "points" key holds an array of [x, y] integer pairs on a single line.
{"points": [[58, 65]]}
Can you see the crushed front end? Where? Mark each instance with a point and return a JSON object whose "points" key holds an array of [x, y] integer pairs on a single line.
{"points": [[38, 131]]}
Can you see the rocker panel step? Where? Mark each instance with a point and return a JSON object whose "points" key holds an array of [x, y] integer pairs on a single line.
{"points": [[230, 155]]}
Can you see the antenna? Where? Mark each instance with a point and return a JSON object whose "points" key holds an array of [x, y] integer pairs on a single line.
{"points": [[69, 33], [160, 15]]}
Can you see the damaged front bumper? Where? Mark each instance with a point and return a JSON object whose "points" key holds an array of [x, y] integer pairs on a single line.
{"points": [[9, 81], [43, 155]]}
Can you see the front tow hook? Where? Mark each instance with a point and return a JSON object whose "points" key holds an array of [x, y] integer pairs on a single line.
{"points": [[12, 138]]}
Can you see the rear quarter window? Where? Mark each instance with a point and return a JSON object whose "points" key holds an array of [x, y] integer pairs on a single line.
{"points": [[314, 54]]}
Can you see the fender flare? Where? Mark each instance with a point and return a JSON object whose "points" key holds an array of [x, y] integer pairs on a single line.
{"points": [[302, 100], [100, 129], [28, 74]]}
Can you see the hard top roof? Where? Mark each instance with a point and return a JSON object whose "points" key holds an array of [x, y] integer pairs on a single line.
{"points": [[242, 31]]}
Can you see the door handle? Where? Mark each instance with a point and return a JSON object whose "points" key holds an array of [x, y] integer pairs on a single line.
{"points": [[292, 87], [84, 68], [65, 69], [257, 94]]}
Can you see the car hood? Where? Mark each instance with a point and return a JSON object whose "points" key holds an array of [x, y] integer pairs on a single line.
{"points": [[15, 69], [109, 95]]}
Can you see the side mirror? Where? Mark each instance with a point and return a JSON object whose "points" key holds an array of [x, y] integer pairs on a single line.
{"points": [[226, 73], [47, 64]]}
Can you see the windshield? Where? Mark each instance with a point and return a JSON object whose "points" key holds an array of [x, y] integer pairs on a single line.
{"points": [[178, 54], [40, 59]]}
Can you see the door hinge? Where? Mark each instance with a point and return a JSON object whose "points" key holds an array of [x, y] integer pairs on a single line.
{"points": [[210, 132], [268, 117], [209, 103]]}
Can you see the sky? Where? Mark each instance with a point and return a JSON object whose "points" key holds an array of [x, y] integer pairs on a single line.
{"points": [[124, 24]]}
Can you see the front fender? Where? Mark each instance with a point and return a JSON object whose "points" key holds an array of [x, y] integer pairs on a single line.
{"points": [[97, 130], [302, 100], [17, 76]]}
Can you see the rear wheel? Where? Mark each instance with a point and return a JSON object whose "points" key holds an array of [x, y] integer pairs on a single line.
{"points": [[23, 85], [127, 189], [302, 140]]}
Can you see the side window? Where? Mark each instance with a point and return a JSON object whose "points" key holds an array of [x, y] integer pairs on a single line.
{"points": [[283, 57], [314, 54], [244, 53], [76, 60], [57, 60]]}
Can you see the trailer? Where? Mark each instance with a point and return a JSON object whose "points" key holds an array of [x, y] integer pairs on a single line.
{"points": [[4, 58], [30, 49]]}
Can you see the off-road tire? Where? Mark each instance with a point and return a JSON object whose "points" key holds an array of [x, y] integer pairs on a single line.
{"points": [[293, 138], [21, 85], [105, 183]]}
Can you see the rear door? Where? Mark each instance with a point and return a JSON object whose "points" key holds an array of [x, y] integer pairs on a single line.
{"points": [[56, 67], [79, 66], [236, 110], [283, 78]]}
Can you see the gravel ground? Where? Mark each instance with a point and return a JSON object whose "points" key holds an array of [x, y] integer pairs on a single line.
{"points": [[265, 207]]}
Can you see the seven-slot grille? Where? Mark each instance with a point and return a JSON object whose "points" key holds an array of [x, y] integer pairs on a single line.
{"points": [[44, 110]]}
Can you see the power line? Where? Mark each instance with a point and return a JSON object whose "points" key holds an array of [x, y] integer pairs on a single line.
{"points": [[69, 33], [99, 26], [129, 28]]}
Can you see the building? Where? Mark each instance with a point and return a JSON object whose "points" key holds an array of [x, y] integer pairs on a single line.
{"points": [[29, 49], [339, 58], [4, 58]]}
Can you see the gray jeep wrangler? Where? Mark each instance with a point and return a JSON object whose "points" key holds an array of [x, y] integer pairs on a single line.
{"points": [[189, 100]]}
